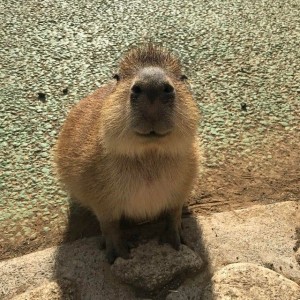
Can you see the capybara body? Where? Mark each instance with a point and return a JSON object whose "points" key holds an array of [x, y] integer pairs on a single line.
{"points": [[130, 149]]}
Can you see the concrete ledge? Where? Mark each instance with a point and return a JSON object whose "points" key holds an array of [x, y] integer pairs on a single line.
{"points": [[261, 235]]}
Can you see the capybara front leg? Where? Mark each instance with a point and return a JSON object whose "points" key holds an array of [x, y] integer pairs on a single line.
{"points": [[172, 233], [114, 244]]}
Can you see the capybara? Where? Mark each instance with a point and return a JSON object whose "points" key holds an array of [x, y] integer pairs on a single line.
{"points": [[130, 149]]}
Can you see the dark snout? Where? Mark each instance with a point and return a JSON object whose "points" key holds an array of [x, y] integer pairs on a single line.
{"points": [[152, 100], [152, 85]]}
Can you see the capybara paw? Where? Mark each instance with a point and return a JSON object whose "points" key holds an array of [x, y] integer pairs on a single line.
{"points": [[115, 251], [171, 237], [102, 243]]}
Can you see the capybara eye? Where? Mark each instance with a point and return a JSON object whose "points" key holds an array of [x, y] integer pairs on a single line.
{"points": [[117, 77], [168, 89], [183, 77], [136, 89]]}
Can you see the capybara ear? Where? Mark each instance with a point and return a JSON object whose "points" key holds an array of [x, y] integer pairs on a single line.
{"points": [[183, 77], [117, 77]]}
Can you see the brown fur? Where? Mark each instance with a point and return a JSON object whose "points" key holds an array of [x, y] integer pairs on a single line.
{"points": [[114, 172]]}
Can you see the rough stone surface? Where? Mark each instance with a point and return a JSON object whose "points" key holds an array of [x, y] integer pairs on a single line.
{"points": [[191, 289], [80, 263], [47, 291], [297, 255], [153, 265], [30, 270], [262, 234], [245, 281], [249, 281]]}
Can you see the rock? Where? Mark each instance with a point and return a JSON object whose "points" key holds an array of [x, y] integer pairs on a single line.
{"points": [[25, 272], [48, 291], [248, 281], [153, 265], [191, 289], [80, 263], [297, 256], [262, 234]]}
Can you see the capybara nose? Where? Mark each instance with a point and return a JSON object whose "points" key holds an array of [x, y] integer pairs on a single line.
{"points": [[152, 85]]}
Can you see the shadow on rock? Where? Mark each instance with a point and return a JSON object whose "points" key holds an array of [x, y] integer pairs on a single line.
{"points": [[192, 287], [153, 272], [82, 223]]}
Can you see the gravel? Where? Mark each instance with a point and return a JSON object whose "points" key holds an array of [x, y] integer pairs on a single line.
{"points": [[242, 59]]}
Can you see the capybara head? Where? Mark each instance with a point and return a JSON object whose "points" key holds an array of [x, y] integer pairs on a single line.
{"points": [[151, 107]]}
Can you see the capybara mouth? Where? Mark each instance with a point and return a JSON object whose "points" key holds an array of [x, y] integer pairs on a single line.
{"points": [[152, 134]]}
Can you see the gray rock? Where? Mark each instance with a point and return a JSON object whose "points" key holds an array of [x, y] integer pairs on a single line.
{"points": [[265, 235], [48, 291], [153, 265], [262, 234], [297, 256], [247, 281], [243, 281], [81, 264], [191, 289], [27, 271]]}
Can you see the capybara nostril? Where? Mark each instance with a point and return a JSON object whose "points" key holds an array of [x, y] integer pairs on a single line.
{"points": [[152, 85], [136, 89], [168, 89]]}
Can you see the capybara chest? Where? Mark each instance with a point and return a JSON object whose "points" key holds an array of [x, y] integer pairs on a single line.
{"points": [[144, 189], [146, 198]]}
